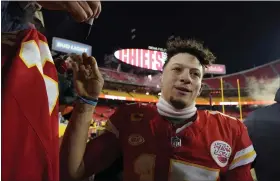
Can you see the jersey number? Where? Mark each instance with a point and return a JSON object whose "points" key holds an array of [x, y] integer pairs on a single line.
{"points": [[33, 55], [144, 166]]}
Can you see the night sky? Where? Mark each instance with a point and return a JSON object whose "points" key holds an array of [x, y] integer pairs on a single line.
{"points": [[241, 34]]}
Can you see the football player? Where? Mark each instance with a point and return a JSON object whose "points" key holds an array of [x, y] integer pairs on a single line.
{"points": [[169, 141]]}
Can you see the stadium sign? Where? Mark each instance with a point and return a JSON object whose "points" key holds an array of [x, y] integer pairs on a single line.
{"points": [[157, 48], [68, 46], [216, 69], [143, 58], [154, 60]]}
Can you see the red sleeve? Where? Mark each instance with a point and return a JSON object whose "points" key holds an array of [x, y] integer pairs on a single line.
{"points": [[102, 151], [242, 157]]}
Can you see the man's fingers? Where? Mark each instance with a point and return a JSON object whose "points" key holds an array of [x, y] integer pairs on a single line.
{"points": [[94, 67], [86, 66], [75, 66], [76, 10], [80, 10], [75, 69], [94, 5], [86, 60], [86, 8], [82, 68], [77, 58], [91, 61], [85, 56], [98, 11]]}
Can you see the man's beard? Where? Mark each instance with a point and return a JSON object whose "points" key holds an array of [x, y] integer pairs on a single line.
{"points": [[177, 104]]}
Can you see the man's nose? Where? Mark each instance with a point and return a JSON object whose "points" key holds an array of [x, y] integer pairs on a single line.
{"points": [[185, 77]]}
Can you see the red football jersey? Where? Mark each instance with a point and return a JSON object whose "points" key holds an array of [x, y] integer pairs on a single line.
{"points": [[29, 110], [154, 150]]}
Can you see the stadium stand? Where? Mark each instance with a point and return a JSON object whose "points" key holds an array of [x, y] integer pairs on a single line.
{"points": [[269, 70], [143, 96], [213, 83], [104, 111], [115, 93], [112, 75], [232, 80]]}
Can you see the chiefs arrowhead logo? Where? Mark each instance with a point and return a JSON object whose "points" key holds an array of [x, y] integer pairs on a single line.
{"points": [[135, 139], [220, 152], [136, 117]]}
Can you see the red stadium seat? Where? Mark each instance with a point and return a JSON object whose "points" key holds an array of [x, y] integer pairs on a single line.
{"points": [[265, 71], [102, 113], [262, 72], [213, 83], [232, 79]]}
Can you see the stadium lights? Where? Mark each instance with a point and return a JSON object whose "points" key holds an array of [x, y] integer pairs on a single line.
{"points": [[228, 103]]}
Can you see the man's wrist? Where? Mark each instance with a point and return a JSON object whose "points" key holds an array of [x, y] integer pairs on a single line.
{"points": [[87, 100], [83, 107], [91, 98]]}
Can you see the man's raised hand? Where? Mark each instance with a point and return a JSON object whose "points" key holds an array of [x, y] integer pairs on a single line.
{"points": [[88, 80]]}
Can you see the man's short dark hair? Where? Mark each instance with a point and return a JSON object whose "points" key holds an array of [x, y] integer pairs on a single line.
{"points": [[191, 46]]}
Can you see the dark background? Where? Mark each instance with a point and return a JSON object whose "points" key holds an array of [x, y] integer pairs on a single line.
{"points": [[241, 34]]}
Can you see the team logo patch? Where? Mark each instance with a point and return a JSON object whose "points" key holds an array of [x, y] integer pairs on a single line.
{"points": [[135, 139], [220, 152], [136, 117]]}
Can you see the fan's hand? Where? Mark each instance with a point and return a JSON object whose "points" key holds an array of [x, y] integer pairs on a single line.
{"points": [[80, 10], [87, 79]]}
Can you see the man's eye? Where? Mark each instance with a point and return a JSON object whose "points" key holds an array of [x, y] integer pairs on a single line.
{"points": [[177, 69], [196, 74]]}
